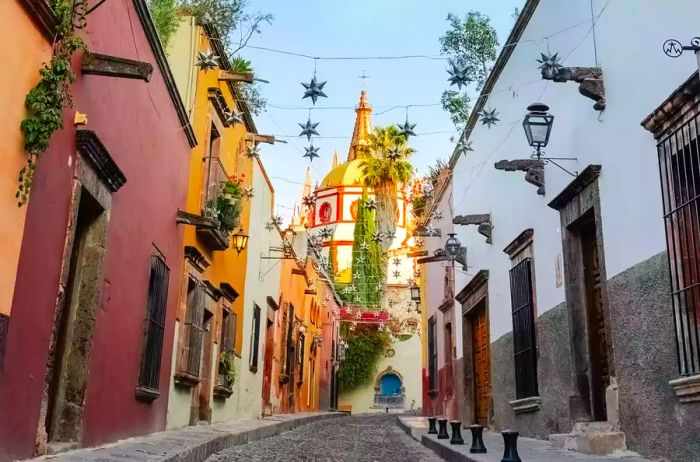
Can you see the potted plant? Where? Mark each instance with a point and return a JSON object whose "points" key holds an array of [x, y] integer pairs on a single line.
{"points": [[228, 370]]}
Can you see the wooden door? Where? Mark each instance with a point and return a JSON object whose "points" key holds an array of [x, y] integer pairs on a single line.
{"points": [[595, 318], [482, 367]]}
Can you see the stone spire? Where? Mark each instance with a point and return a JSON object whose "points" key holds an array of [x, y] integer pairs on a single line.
{"points": [[363, 126], [307, 182], [335, 160]]}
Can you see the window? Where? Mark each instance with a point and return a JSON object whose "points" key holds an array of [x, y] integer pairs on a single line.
{"points": [[154, 328], [300, 358], [194, 328], [214, 173], [524, 343], [288, 344], [432, 354], [228, 330], [255, 339], [679, 166]]}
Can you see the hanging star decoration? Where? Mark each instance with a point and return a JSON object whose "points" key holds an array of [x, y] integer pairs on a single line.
{"points": [[392, 302], [325, 233], [429, 231], [394, 153], [377, 237], [277, 220], [361, 260], [253, 151], [313, 89], [397, 261], [391, 235], [249, 192], [379, 287], [314, 241], [407, 129], [458, 76], [397, 274], [308, 200], [311, 152], [269, 226], [489, 118], [549, 64], [206, 61], [419, 242], [308, 129], [323, 261], [464, 147], [351, 288], [370, 203], [233, 117], [436, 215], [364, 245]]}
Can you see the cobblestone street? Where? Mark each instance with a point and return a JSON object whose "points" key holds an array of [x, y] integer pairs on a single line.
{"points": [[355, 438]]}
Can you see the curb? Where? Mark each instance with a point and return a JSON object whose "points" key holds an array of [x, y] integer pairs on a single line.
{"points": [[445, 452]]}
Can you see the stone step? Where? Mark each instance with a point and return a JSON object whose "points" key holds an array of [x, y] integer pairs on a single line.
{"points": [[588, 441], [593, 427]]}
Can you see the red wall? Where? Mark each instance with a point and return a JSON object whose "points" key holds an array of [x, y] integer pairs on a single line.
{"points": [[137, 122]]}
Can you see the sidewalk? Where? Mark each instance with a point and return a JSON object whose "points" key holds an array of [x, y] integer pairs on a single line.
{"points": [[191, 444], [529, 449]]}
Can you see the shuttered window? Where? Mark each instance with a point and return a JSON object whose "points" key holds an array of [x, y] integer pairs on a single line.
{"points": [[524, 343], [300, 358], [154, 328], [432, 354], [228, 330], [194, 327], [255, 339]]}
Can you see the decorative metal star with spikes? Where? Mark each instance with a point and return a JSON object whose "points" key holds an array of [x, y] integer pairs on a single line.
{"points": [[206, 61], [313, 90], [489, 118], [549, 63], [397, 261], [325, 233], [249, 192], [464, 147], [311, 152], [394, 153], [407, 129], [314, 241], [253, 151], [308, 129], [429, 231], [390, 235], [416, 274], [392, 302], [233, 117], [355, 275], [419, 242], [269, 226], [458, 76], [380, 288], [352, 288], [397, 274], [361, 260], [364, 245], [308, 200], [377, 237], [370, 203], [277, 220], [323, 261], [436, 215]]}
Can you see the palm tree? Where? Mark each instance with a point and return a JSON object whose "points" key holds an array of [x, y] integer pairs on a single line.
{"points": [[385, 167]]}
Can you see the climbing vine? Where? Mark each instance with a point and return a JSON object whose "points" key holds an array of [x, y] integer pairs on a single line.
{"points": [[365, 346], [46, 101]]}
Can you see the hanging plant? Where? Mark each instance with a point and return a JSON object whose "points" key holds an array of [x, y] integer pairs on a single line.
{"points": [[46, 101], [365, 346]]}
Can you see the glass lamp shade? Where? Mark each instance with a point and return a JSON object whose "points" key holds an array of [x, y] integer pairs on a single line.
{"points": [[538, 125], [289, 235], [240, 240], [415, 293], [452, 246]]}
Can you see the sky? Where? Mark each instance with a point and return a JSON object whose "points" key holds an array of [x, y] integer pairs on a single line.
{"points": [[357, 28]]}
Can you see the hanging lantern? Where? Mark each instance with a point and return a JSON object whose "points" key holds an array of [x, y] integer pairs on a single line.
{"points": [[538, 126], [452, 247], [415, 292], [240, 240]]}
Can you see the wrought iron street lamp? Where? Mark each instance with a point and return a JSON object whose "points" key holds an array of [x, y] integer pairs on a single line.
{"points": [[452, 247], [415, 292], [240, 240], [538, 126]]}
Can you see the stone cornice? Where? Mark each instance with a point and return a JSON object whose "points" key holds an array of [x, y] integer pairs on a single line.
{"points": [[92, 149], [480, 278], [43, 16], [519, 242], [685, 97], [586, 177]]}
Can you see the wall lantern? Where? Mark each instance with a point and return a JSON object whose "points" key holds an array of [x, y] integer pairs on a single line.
{"points": [[289, 235], [538, 126], [415, 292], [240, 240], [452, 247]]}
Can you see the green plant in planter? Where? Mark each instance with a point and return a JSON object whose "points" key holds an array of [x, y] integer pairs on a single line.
{"points": [[230, 369], [239, 64], [226, 207], [366, 343]]}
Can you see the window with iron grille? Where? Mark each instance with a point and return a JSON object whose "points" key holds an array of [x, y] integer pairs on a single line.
{"points": [[255, 339], [432, 354], [288, 364], [194, 328], [524, 343], [228, 330], [679, 167], [154, 328], [300, 358]]}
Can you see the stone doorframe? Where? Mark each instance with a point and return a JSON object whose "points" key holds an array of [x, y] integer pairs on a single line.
{"points": [[471, 296], [97, 175], [580, 198]]}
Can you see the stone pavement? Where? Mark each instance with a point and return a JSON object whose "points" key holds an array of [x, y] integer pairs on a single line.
{"points": [[358, 438], [192, 444], [529, 449]]}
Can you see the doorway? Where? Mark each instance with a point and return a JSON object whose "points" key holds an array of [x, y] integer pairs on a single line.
{"points": [[70, 356]]}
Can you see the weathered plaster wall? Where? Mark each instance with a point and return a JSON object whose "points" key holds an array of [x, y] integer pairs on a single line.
{"points": [[179, 398]]}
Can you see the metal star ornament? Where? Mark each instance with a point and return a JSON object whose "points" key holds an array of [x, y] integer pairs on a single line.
{"points": [[361, 260], [390, 235], [394, 154], [429, 231], [407, 129], [253, 151], [269, 226], [458, 76], [356, 275], [489, 118], [364, 245], [392, 303], [206, 61], [308, 129], [377, 237], [419, 242], [249, 192], [233, 117], [397, 274], [437, 215], [277, 220], [371, 204], [313, 90], [549, 63], [380, 288], [397, 261], [308, 200], [463, 147], [311, 152], [325, 233]]}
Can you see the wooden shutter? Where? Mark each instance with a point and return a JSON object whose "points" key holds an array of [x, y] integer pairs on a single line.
{"points": [[154, 324], [432, 354], [195, 329], [524, 343]]}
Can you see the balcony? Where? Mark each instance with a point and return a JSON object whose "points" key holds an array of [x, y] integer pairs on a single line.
{"points": [[388, 401]]}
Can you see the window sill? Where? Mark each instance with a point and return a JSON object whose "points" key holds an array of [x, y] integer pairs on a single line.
{"points": [[146, 394], [186, 380], [222, 392], [687, 389], [521, 406]]}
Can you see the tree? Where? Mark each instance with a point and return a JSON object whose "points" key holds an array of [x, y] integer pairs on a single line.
{"points": [[470, 44], [367, 271], [385, 166]]}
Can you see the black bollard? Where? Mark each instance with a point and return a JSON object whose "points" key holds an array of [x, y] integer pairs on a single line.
{"points": [[442, 433], [477, 440], [431, 425], [456, 432], [510, 440]]}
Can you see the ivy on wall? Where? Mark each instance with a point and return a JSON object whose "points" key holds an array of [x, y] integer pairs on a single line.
{"points": [[46, 101], [365, 346]]}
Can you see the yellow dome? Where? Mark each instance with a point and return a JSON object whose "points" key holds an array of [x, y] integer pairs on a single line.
{"points": [[348, 173]]}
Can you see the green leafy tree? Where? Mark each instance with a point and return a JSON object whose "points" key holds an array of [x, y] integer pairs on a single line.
{"points": [[165, 18], [365, 345], [385, 166], [470, 43], [367, 269]]}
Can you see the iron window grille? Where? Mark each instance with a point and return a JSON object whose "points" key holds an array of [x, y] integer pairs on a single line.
{"points": [[154, 325], [432, 354], [524, 340], [679, 168], [289, 354], [255, 339], [300, 358], [194, 327]]}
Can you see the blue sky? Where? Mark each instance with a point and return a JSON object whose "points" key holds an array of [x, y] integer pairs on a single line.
{"points": [[354, 28]]}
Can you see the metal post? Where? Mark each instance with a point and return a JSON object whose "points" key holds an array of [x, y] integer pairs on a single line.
{"points": [[456, 432], [477, 440], [510, 452], [431, 425], [442, 433]]}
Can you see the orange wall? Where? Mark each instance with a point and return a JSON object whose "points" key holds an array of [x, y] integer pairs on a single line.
{"points": [[22, 59]]}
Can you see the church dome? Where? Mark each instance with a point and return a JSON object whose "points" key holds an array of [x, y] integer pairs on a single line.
{"points": [[345, 174]]}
